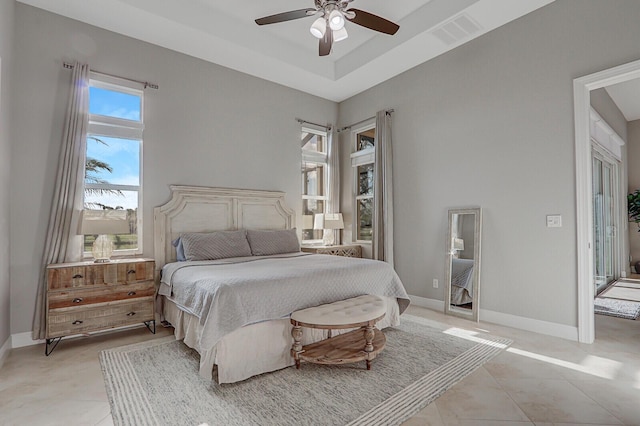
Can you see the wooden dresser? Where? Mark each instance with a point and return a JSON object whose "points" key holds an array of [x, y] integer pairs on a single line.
{"points": [[85, 296]]}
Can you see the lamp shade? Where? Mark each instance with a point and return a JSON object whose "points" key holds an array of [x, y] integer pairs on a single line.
{"points": [[328, 221], [103, 222], [318, 28], [336, 20], [458, 244], [340, 34], [307, 221]]}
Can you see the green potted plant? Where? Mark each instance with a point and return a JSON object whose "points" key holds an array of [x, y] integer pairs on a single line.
{"points": [[633, 204]]}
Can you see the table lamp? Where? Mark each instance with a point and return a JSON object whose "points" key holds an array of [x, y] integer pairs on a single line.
{"points": [[329, 221], [103, 223]]}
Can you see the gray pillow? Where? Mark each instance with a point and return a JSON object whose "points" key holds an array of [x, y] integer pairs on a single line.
{"points": [[273, 241], [215, 245]]}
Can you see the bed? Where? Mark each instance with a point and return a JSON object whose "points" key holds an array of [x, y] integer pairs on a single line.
{"points": [[234, 309], [461, 281]]}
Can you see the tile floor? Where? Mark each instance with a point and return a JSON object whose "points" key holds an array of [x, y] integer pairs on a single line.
{"points": [[539, 380]]}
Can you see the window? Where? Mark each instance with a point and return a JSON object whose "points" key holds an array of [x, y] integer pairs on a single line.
{"points": [[114, 156], [314, 181], [362, 162]]}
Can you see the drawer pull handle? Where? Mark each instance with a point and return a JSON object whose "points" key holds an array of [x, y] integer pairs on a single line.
{"points": [[131, 293], [76, 322], [130, 314], [77, 300], [77, 276], [131, 271]]}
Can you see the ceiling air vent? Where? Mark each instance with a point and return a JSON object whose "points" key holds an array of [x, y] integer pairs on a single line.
{"points": [[458, 28]]}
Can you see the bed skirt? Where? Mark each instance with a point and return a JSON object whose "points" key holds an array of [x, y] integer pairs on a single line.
{"points": [[253, 349]]}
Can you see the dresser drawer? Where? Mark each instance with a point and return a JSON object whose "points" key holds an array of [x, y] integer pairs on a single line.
{"points": [[80, 319], [98, 275], [87, 296]]}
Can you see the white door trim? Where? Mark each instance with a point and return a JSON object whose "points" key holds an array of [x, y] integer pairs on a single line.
{"points": [[584, 209]]}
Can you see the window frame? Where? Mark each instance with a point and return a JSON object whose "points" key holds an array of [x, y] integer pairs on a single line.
{"points": [[315, 157], [360, 158], [120, 128]]}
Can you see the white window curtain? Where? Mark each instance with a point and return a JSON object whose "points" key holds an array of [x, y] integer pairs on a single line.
{"points": [[382, 244], [333, 194], [63, 244]]}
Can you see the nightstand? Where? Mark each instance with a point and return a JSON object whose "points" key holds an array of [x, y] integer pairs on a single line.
{"points": [[346, 250], [83, 297]]}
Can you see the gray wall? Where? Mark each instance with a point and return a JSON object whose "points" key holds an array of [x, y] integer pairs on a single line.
{"points": [[207, 126], [633, 155], [6, 46], [490, 124]]}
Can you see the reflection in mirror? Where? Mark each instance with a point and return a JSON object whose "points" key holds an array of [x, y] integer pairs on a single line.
{"points": [[463, 263]]}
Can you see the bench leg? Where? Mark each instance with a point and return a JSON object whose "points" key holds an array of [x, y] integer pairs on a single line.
{"points": [[296, 348], [369, 334]]}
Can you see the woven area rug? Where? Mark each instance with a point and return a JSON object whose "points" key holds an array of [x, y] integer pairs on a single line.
{"points": [[617, 308], [157, 383], [621, 300]]}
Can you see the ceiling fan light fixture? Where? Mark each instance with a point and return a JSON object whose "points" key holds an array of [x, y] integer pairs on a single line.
{"points": [[336, 20], [318, 28], [340, 34]]}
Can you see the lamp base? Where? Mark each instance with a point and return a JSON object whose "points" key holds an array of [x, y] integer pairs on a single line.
{"points": [[102, 249], [327, 237]]}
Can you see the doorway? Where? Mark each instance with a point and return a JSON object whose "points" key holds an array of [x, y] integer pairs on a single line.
{"points": [[584, 201]]}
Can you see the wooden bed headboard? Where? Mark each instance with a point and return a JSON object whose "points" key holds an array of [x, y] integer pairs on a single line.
{"points": [[203, 209]]}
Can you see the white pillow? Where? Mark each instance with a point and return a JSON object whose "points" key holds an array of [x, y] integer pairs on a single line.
{"points": [[215, 245], [273, 241]]}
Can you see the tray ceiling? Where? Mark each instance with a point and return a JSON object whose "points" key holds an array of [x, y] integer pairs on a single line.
{"points": [[286, 53]]}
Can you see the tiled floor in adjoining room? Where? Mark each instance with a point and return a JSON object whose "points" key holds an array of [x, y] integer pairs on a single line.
{"points": [[539, 380]]}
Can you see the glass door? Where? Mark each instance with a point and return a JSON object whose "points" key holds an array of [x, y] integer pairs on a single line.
{"points": [[604, 221]]}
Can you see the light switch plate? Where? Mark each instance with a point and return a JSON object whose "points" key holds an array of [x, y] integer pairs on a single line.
{"points": [[554, 221]]}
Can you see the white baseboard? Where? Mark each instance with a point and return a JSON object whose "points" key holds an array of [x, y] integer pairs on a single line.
{"points": [[19, 340], [4, 351], [423, 302], [514, 321]]}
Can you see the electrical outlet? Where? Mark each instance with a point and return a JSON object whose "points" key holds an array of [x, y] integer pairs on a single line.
{"points": [[435, 283]]}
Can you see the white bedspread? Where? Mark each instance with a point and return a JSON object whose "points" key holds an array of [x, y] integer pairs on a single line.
{"points": [[462, 273], [230, 293]]}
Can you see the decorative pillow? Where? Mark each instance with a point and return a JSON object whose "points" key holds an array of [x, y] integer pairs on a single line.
{"points": [[177, 243], [273, 241], [215, 245]]}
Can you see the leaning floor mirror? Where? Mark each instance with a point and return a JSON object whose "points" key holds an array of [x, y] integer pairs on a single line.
{"points": [[462, 272]]}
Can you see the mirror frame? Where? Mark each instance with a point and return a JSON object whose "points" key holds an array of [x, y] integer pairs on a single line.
{"points": [[472, 314]]}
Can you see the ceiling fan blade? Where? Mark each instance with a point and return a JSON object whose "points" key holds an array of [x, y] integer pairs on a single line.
{"points": [[373, 22], [285, 16], [325, 43]]}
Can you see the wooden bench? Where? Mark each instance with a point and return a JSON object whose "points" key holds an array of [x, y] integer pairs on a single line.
{"points": [[362, 344]]}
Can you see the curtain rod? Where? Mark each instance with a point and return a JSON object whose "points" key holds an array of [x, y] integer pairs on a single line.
{"points": [[145, 83], [324, 126], [388, 112]]}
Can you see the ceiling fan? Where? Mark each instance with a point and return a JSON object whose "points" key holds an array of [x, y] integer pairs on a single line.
{"points": [[329, 27]]}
